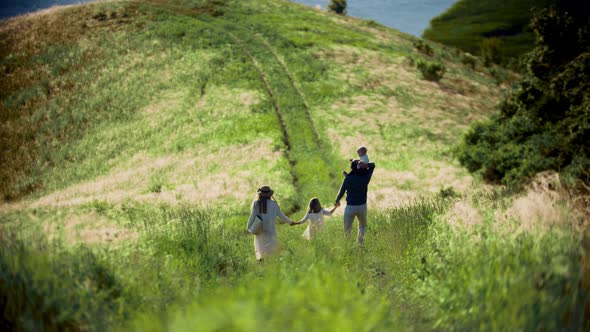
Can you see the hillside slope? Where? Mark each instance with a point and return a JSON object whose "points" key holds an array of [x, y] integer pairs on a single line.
{"points": [[203, 103], [468, 22]]}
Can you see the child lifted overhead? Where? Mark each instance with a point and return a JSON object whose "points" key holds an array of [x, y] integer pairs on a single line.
{"points": [[363, 159], [315, 215]]}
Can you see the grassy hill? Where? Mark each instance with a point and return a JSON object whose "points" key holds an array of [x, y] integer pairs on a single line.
{"points": [[135, 134], [468, 22], [121, 93]]}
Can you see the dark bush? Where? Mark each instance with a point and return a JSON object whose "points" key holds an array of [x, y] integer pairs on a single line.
{"points": [[499, 74], [469, 60], [432, 71], [490, 51], [544, 124], [371, 23], [338, 7], [423, 47]]}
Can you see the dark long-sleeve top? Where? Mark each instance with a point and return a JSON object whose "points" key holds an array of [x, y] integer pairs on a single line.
{"points": [[355, 186]]}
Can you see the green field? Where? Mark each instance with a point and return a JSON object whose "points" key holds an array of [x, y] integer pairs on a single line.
{"points": [[134, 136]]}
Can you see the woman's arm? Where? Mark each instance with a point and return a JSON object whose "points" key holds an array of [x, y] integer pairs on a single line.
{"points": [[283, 217]]}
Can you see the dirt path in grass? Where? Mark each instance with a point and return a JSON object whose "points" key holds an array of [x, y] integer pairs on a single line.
{"points": [[277, 109], [299, 132], [299, 93]]}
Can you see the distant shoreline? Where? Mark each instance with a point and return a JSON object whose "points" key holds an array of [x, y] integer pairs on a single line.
{"points": [[411, 17], [12, 8]]}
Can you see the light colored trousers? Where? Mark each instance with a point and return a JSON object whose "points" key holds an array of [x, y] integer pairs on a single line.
{"points": [[359, 211]]}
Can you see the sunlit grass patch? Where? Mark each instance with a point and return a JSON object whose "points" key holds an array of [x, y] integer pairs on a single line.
{"points": [[208, 175]]}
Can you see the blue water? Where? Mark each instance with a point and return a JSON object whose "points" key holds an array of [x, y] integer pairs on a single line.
{"points": [[10, 8], [410, 16]]}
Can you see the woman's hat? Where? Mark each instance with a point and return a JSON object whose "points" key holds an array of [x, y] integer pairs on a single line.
{"points": [[265, 191]]}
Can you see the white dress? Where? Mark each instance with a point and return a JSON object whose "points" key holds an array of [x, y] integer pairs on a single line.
{"points": [[316, 223], [266, 243]]}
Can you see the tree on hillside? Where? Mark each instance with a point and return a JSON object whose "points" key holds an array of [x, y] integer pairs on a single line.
{"points": [[544, 124], [338, 6]]}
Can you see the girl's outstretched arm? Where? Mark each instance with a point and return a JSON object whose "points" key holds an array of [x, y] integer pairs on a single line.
{"points": [[327, 212], [333, 209]]}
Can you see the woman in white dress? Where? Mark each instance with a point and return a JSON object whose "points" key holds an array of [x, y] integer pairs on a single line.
{"points": [[315, 215], [265, 207]]}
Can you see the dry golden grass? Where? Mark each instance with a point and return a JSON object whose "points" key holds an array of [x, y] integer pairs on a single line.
{"points": [[463, 213], [31, 33], [379, 69], [544, 203], [89, 228], [433, 113], [223, 176], [119, 185]]}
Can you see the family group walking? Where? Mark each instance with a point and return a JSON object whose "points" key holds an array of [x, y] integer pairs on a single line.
{"points": [[265, 210]]}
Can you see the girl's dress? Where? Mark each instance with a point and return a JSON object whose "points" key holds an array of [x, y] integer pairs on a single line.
{"points": [[316, 223], [266, 243]]}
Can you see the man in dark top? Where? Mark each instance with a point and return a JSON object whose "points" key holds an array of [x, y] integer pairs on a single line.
{"points": [[355, 186]]}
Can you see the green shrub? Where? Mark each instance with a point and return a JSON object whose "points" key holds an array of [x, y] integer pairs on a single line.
{"points": [[499, 74], [371, 23], [448, 192], [469, 60], [338, 7], [544, 124], [423, 47], [156, 183], [490, 51], [432, 71]]}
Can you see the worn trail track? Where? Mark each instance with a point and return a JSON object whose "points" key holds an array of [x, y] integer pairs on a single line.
{"points": [[299, 132]]}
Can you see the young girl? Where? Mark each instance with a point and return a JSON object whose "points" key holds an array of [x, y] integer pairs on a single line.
{"points": [[315, 215]]}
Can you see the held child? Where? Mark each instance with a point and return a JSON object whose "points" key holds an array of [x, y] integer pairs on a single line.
{"points": [[363, 159], [315, 215]]}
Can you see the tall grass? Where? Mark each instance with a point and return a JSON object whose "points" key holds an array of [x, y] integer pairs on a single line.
{"points": [[327, 284], [490, 281], [46, 286], [194, 267]]}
